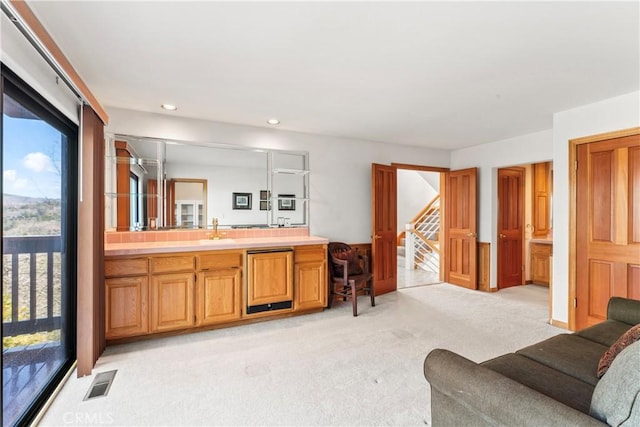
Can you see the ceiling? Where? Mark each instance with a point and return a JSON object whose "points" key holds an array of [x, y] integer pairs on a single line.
{"points": [[437, 74]]}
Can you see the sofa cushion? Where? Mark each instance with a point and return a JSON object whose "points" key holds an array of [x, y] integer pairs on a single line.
{"points": [[550, 382], [616, 398], [575, 356], [605, 333], [628, 338]]}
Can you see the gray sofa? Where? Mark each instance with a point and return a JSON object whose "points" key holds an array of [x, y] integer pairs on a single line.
{"points": [[545, 384]]}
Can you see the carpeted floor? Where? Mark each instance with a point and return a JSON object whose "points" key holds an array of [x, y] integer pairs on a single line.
{"points": [[321, 369]]}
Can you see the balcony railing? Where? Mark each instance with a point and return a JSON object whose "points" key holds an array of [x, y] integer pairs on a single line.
{"points": [[31, 246]]}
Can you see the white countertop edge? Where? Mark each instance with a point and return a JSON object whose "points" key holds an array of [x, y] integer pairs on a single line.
{"points": [[543, 241], [150, 248]]}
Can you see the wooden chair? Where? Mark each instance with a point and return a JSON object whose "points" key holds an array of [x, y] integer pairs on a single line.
{"points": [[349, 274]]}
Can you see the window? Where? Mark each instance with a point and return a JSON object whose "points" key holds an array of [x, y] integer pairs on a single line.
{"points": [[39, 219]]}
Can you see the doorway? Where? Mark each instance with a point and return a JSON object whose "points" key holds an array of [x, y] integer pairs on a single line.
{"points": [[418, 228], [524, 225]]}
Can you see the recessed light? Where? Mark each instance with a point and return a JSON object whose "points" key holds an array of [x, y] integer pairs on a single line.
{"points": [[273, 121], [169, 107]]}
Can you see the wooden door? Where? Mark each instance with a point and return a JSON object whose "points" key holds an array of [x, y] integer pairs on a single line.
{"points": [[269, 278], [541, 199], [172, 302], [510, 226], [219, 296], [311, 285], [541, 263], [310, 277], [461, 231], [384, 223], [607, 226], [126, 308]]}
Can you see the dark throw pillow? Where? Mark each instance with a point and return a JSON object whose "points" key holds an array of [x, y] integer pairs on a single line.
{"points": [[628, 338]]}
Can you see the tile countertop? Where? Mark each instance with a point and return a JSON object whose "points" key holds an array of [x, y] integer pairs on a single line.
{"points": [[148, 248]]}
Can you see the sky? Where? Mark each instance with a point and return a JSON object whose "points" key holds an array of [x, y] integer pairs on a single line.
{"points": [[31, 154]]}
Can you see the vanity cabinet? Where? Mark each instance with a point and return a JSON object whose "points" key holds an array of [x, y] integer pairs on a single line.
{"points": [[541, 263], [310, 277], [172, 293], [126, 297], [218, 295]]}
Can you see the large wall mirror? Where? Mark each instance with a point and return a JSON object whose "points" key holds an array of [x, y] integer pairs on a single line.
{"points": [[165, 184]]}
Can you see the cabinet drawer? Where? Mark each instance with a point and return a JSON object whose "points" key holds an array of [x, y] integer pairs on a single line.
{"points": [[220, 260], [310, 253], [126, 267], [172, 264]]}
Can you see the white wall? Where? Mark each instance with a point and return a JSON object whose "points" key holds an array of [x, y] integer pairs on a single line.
{"points": [[340, 178], [414, 192], [609, 115], [488, 158]]}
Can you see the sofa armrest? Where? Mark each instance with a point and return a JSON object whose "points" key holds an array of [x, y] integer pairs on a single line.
{"points": [[624, 310], [494, 398]]}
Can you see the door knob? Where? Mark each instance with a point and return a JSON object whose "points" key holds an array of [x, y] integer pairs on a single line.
{"points": [[376, 236], [472, 235], [502, 236]]}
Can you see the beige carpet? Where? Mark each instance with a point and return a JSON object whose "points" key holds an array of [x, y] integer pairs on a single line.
{"points": [[322, 369]]}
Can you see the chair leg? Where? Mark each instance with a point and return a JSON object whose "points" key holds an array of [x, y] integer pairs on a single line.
{"points": [[372, 292], [354, 297], [332, 287]]}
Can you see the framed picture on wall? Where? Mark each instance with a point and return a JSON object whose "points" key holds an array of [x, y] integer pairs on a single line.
{"points": [[286, 202], [242, 201], [265, 203]]}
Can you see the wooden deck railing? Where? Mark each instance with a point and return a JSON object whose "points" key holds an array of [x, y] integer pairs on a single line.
{"points": [[31, 246]]}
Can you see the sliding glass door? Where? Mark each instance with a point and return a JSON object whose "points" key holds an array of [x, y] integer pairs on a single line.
{"points": [[39, 205]]}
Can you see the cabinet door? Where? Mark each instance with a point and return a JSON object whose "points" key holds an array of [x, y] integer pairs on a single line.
{"points": [[540, 263], [311, 285], [541, 199], [126, 308], [172, 301], [269, 278], [219, 296]]}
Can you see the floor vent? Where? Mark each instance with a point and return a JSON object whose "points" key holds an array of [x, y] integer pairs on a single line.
{"points": [[100, 385]]}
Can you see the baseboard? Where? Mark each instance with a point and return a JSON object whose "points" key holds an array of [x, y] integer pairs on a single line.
{"points": [[559, 324]]}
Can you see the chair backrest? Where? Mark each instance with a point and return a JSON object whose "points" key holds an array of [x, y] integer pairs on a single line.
{"points": [[343, 251]]}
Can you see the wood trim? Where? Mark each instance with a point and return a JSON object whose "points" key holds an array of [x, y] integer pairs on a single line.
{"points": [[573, 146], [559, 324], [90, 292], [484, 267], [47, 41], [123, 199], [419, 167], [607, 135]]}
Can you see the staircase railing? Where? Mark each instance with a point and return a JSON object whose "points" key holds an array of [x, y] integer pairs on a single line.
{"points": [[422, 244]]}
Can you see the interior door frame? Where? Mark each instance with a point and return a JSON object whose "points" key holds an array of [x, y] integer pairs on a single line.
{"points": [[573, 214], [441, 239]]}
